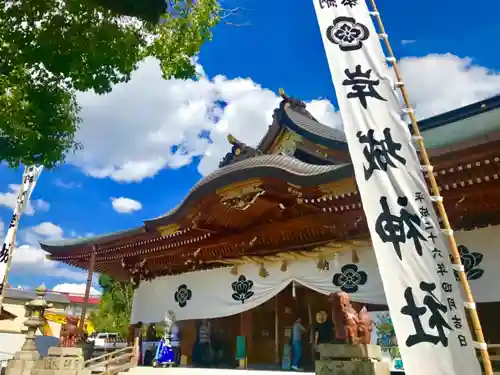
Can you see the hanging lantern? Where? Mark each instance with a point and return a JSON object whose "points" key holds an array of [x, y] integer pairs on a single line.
{"points": [[355, 257], [234, 270], [321, 264], [263, 272], [284, 266]]}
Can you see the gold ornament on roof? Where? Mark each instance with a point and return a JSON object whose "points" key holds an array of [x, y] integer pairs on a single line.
{"points": [[231, 139]]}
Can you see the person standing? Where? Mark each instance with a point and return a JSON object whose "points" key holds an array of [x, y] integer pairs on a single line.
{"points": [[204, 342], [297, 331], [323, 330], [175, 342]]}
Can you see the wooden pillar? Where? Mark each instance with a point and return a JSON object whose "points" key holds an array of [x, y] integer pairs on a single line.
{"points": [[276, 331], [87, 289]]}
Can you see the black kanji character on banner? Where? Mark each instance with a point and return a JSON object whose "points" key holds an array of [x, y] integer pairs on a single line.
{"points": [[432, 237], [327, 4], [442, 269], [428, 225], [447, 287], [396, 229], [424, 212], [457, 322], [350, 3], [462, 340], [436, 320], [28, 179], [4, 253], [451, 303], [380, 155], [12, 223], [436, 253], [419, 197], [362, 86]]}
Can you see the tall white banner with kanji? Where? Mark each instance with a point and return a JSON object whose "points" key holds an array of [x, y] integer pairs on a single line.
{"points": [[421, 290], [30, 177]]}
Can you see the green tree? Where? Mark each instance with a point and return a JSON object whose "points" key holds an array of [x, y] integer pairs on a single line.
{"points": [[51, 49], [115, 308]]}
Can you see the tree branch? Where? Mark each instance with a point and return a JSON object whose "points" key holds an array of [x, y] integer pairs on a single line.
{"points": [[226, 13]]}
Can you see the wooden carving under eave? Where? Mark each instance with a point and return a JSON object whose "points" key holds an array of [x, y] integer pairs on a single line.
{"points": [[168, 230], [350, 327], [288, 143], [137, 271], [241, 196], [347, 185]]}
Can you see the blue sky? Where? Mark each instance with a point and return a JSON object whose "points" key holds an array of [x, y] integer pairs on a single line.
{"points": [[130, 155]]}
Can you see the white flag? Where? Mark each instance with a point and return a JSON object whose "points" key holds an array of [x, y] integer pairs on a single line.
{"points": [[30, 177], [422, 294]]}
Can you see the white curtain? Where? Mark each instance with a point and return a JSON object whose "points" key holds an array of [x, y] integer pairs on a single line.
{"points": [[211, 293], [216, 293]]}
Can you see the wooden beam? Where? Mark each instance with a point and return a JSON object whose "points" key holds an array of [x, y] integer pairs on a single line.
{"points": [[87, 288]]}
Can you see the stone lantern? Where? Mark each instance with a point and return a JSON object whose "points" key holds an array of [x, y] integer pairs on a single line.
{"points": [[35, 310], [24, 360]]}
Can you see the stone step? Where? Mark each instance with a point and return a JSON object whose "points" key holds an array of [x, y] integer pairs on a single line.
{"points": [[347, 351], [332, 367]]}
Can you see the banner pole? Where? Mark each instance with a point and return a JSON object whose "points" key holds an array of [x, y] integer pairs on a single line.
{"points": [[17, 214], [470, 305]]}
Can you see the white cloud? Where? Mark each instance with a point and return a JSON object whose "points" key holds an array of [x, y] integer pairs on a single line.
{"points": [[125, 205], [66, 184], [9, 199], [28, 256], [129, 137], [407, 41], [440, 83], [49, 230], [75, 289]]}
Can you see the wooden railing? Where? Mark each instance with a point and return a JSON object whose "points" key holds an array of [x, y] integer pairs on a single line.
{"points": [[114, 362]]}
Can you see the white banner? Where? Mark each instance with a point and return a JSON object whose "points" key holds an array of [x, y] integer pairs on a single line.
{"points": [[217, 292], [30, 177], [421, 291]]}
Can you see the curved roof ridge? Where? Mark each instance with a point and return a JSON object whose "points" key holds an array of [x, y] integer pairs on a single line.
{"points": [[285, 163]]}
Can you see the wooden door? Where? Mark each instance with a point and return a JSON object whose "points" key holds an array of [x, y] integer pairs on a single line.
{"points": [[263, 334]]}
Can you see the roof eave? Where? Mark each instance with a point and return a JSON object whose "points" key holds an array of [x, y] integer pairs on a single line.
{"points": [[461, 113], [54, 246]]}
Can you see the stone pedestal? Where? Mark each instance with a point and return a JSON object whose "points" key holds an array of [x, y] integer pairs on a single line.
{"points": [[61, 361], [25, 360], [344, 359], [22, 363]]}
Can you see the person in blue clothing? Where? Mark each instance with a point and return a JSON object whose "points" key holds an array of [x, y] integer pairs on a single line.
{"points": [[297, 331]]}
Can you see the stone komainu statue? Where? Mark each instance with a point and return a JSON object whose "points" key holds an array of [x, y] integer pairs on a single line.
{"points": [[351, 327], [69, 332]]}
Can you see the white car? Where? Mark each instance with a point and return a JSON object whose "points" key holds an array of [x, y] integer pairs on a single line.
{"points": [[107, 340]]}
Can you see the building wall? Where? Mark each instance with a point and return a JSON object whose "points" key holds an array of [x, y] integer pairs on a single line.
{"points": [[16, 307], [75, 309]]}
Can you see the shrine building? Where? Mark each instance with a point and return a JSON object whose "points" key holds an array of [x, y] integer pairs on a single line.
{"points": [[280, 226]]}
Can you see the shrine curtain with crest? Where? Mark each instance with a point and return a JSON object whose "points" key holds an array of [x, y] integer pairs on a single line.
{"points": [[216, 293]]}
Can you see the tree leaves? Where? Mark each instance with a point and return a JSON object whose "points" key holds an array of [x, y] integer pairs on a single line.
{"points": [[51, 49], [115, 308]]}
